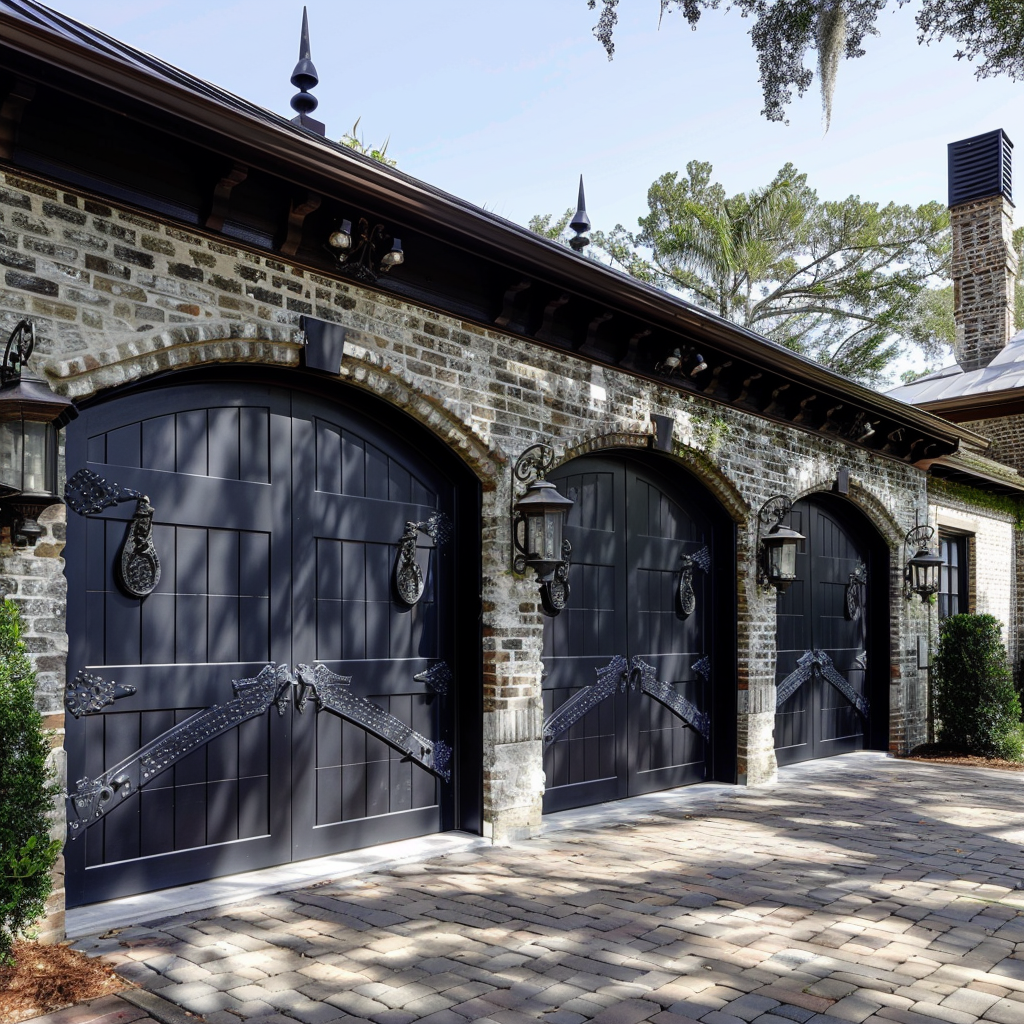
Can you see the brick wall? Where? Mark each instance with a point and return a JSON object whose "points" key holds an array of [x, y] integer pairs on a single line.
{"points": [[117, 296], [984, 266]]}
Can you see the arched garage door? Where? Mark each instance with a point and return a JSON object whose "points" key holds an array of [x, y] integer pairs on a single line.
{"points": [[832, 641], [639, 668], [275, 698]]}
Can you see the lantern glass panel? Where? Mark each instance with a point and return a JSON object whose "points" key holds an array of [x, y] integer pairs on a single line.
{"points": [[38, 475], [11, 454], [782, 560]]}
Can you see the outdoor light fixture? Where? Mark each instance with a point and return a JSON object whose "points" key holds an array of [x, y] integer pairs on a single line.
{"points": [[921, 575], [672, 363], [538, 518], [367, 252], [776, 548], [30, 416]]}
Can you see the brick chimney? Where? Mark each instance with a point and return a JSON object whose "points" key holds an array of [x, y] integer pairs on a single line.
{"points": [[984, 261]]}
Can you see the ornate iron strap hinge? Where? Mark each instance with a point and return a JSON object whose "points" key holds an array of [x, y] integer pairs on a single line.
{"points": [[86, 693], [610, 677], [93, 798], [644, 675], [137, 569], [407, 575], [687, 599], [332, 692], [818, 661]]}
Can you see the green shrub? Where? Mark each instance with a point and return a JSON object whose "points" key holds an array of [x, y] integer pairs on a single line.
{"points": [[27, 790], [974, 697]]}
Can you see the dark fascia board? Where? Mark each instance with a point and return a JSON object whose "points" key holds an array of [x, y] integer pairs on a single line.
{"points": [[990, 405], [313, 162], [946, 468]]}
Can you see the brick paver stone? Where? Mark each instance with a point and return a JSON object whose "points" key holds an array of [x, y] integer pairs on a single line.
{"points": [[859, 889]]}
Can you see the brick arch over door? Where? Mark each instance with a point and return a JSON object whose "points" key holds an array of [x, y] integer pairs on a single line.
{"points": [[280, 513], [832, 635], [217, 344], [640, 668]]}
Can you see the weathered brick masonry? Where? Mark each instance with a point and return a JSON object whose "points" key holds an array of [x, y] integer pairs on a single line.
{"points": [[117, 296]]}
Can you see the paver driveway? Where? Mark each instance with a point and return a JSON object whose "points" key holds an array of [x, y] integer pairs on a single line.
{"points": [[859, 888]]}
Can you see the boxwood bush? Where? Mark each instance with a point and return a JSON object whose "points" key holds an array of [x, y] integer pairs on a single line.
{"points": [[975, 701], [27, 790]]}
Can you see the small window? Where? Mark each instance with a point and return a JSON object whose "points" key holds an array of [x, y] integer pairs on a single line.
{"points": [[953, 596]]}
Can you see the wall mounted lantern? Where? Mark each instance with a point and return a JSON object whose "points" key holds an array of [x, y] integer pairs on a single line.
{"points": [[776, 547], [30, 416], [538, 518], [367, 252], [921, 575]]}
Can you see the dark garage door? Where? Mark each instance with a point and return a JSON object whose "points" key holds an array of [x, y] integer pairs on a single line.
{"points": [[278, 520], [830, 697], [636, 695]]}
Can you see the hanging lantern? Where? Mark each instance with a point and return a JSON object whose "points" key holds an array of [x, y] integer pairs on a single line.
{"points": [[777, 549], [538, 520], [923, 568], [30, 416]]}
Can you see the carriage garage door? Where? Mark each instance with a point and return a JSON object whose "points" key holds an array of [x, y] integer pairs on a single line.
{"points": [[831, 638], [287, 689], [639, 667]]}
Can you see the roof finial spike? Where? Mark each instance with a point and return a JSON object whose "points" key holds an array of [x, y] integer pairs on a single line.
{"points": [[304, 78], [304, 39], [580, 223]]}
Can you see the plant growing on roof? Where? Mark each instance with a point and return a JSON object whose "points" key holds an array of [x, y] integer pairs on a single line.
{"points": [[27, 790]]}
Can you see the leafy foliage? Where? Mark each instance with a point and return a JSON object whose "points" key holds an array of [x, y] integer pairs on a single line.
{"points": [[837, 281], [353, 140], [975, 699], [27, 790], [783, 31]]}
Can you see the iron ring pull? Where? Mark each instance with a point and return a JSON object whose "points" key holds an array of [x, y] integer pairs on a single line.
{"points": [[137, 568]]}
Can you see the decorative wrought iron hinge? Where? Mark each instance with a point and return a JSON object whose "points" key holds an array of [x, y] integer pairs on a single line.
{"points": [[93, 798], [438, 678], [855, 592], [687, 599], [818, 661], [407, 575], [87, 693], [137, 569], [332, 693], [644, 675], [610, 678]]}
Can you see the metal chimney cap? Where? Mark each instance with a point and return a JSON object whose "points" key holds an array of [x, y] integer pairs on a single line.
{"points": [[980, 167]]}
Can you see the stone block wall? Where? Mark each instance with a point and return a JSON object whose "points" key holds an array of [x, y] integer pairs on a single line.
{"points": [[117, 296], [984, 268]]}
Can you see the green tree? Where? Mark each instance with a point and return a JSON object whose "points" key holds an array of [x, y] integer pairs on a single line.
{"points": [[27, 790], [784, 31], [838, 281]]}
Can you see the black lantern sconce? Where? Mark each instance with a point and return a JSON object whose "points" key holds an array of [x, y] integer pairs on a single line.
{"points": [[921, 575], [367, 252], [776, 547], [30, 416], [538, 518]]}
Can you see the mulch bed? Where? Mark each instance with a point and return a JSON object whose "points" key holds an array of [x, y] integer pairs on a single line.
{"points": [[48, 978], [943, 755]]}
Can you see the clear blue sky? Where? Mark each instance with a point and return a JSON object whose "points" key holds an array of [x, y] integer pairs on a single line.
{"points": [[505, 102]]}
